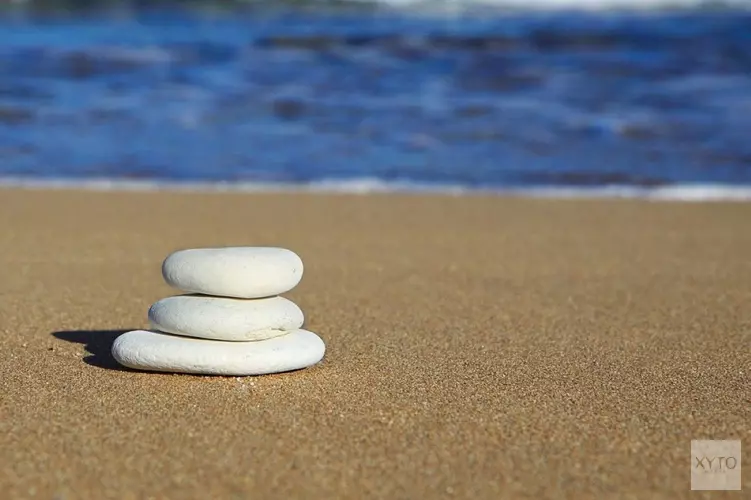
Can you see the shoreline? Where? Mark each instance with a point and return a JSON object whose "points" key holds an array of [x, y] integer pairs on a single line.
{"points": [[680, 192]]}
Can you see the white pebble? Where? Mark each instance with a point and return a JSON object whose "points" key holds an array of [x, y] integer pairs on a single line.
{"points": [[242, 272], [222, 318], [162, 352]]}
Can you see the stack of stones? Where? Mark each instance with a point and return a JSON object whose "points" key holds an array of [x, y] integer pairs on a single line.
{"points": [[232, 322]]}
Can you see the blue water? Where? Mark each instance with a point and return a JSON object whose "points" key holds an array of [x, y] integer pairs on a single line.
{"points": [[493, 101]]}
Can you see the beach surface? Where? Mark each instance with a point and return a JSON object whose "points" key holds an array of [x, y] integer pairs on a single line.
{"points": [[477, 347]]}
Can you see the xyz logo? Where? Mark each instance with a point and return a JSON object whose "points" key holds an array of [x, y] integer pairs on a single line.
{"points": [[709, 465]]}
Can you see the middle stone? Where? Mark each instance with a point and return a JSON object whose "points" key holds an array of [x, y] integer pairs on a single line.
{"points": [[220, 318]]}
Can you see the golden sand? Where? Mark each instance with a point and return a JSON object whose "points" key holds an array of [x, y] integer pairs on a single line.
{"points": [[477, 348]]}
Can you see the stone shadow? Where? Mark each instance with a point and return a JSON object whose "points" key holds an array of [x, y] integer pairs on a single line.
{"points": [[98, 344]]}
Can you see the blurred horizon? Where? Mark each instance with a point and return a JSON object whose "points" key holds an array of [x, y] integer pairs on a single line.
{"points": [[411, 6]]}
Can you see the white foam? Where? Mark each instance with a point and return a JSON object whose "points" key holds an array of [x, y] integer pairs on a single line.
{"points": [[365, 185], [553, 5], [679, 192]]}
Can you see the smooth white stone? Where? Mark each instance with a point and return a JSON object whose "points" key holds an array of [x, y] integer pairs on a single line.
{"points": [[162, 352], [242, 272], [222, 318]]}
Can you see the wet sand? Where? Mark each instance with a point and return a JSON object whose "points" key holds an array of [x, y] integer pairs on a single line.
{"points": [[476, 348]]}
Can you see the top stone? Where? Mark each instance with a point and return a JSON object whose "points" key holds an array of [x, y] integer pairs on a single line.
{"points": [[240, 272]]}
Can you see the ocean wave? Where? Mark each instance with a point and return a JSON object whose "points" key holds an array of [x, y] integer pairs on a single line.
{"points": [[557, 5], [368, 185]]}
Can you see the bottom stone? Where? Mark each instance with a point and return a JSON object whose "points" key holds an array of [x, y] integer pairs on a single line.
{"points": [[162, 352]]}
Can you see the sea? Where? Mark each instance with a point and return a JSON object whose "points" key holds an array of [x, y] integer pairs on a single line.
{"points": [[615, 98]]}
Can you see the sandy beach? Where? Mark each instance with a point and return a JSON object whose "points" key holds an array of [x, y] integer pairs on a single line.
{"points": [[477, 347]]}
